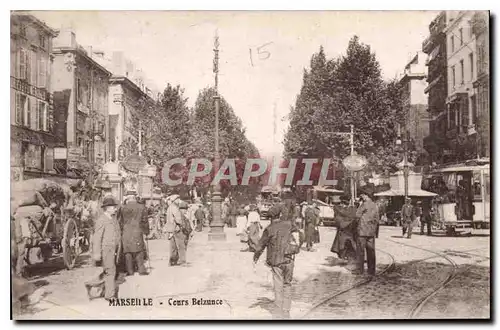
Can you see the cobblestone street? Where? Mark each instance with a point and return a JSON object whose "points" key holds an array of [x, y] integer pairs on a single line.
{"points": [[414, 281]]}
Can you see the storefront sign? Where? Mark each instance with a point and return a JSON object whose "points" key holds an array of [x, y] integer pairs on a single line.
{"points": [[60, 153]]}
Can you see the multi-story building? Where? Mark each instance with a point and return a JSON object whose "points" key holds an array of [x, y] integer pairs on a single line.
{"points": [[80, 87], [436, 143], [129, 94], [413, 84], [32, 137], [480, 26], [462, 71]]}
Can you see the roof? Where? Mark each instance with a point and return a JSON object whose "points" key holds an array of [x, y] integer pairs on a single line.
{"points": [[411, 192], [32, 19]]}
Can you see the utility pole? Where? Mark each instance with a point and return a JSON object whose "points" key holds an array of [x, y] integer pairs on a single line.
{"points": [[217, 225], [351, 140]]}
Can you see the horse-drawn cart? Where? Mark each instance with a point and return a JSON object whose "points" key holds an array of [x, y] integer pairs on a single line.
{"points": [[47, 218]]}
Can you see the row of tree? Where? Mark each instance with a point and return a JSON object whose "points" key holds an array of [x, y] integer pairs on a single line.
{"points": [[171, 129], [344, 91]]}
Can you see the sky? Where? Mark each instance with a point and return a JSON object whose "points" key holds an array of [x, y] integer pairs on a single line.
{"points": [[262, 54]]}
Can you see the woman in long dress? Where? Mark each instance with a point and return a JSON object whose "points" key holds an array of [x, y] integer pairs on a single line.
{"points": [[253, 229]]}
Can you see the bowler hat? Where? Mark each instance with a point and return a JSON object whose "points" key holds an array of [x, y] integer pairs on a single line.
{"points": [[109, 201]]}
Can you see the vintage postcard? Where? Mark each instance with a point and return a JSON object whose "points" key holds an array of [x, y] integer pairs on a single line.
{"points": [[250, 165]]}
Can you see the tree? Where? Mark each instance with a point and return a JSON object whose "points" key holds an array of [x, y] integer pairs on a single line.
{"points": [[341, 92], [233, 142], [165, 125]]}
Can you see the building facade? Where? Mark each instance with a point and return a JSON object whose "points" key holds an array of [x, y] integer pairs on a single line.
{"points": [[129, 94], [413, 84], [462, 72], [32, 137], [436, 143], [480, 25], [81, 103]]}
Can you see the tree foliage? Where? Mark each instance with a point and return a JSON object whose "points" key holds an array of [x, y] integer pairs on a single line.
{"points": [[337, 93]]}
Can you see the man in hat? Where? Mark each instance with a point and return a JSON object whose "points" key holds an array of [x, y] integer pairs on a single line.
{"points": [[368, 216], [107, 241], [345, 240], [276, 239], [426, 217], [407, 217], [133, 217], [173, 227], [311, 221]]}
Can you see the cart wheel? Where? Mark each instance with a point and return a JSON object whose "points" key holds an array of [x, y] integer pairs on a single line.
{"points": [[70, 244]]}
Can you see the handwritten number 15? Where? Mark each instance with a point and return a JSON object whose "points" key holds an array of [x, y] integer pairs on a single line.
{"points": [[262, 53]]}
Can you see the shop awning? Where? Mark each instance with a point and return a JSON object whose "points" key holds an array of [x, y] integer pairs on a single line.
{"points": [[411, 192], [328, 190]]}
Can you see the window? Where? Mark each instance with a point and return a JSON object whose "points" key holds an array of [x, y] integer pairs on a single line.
{"points": [[471, 61], [22, 30], [452, 44], [43, 41], [27, 112], [33, 157], [49, 160], [35, 116], [77, 90], [462, 72], [461, 33], [473, 102], [21, 100], [453, 76], [23, 64], [41, 112], [42, 73]]}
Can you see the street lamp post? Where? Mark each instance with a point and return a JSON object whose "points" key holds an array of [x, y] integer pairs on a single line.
{"points": [[406, 169], [217, 225]]}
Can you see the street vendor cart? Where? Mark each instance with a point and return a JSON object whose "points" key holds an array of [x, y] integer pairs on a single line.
{"points": [[48, 218]]}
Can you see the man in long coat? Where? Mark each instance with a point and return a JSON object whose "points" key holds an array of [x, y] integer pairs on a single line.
{"points": [[107, 243], [344, 243], [367, 231], [134, 221]]}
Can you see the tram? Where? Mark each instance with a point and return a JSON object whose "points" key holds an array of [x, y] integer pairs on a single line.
{"points": [[464, 194]]}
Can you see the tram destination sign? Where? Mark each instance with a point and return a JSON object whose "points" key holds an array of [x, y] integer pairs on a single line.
{"points": [[355, 163], [134, 163]]}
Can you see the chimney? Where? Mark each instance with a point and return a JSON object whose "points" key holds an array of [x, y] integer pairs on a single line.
{"points": [[65, 39], [118, 63]]}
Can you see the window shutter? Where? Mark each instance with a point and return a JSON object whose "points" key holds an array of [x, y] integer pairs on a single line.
{"points": [[27, 115], [22, 64], [28, 65], [35, 66], [42, 78], [50, 118]]}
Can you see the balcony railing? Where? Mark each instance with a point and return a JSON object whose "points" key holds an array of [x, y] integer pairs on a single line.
{"points": [[23, 86]]}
